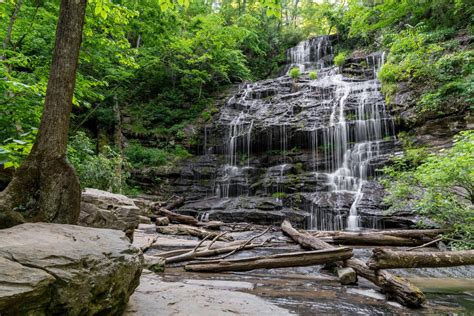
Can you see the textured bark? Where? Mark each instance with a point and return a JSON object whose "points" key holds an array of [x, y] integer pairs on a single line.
{"points": [[389, 259], [174, 229], [118, 138], [174, 217], [373, 240], [382, 238], [406, 233], [347, 276], [46, 187], [199, 253], [395, 287], [162, 221], [175, 204], [215, 225], [294, 259]]}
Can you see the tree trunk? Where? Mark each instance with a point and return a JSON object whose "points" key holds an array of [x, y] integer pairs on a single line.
{"points": [[118, 140], [389, 259], [46, 187], [397, 288], [13, 17], [294, 259]]}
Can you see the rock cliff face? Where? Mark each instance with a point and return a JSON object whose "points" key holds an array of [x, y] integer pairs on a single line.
{"points": [[304, 148], [53, 269]]}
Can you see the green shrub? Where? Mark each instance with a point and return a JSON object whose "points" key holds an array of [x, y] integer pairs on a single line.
{"points": [[180, 152], [140, 156], [294, 72], [438, 186], [105, 171], [313, 75], [439, 71], [340, 59]]}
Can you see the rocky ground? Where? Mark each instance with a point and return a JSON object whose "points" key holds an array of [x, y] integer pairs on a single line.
{"points": [[74, 270], [301, 291]]}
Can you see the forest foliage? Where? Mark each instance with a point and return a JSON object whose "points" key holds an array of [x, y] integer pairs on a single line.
{"points": [[438, 186]]}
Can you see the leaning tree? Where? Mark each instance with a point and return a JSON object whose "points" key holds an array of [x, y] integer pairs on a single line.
{"points": [[46, 187]]}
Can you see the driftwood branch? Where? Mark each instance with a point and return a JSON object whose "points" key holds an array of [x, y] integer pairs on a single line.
{"points": [[228, 250], [397, 288], [389, 259], [198, 255], [174, 229], [426, 245], [295, 259], [246, 243]]}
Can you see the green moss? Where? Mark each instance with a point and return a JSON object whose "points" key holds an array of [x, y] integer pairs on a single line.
{"points": [[340, 59], [294, 72], [279, 195]]}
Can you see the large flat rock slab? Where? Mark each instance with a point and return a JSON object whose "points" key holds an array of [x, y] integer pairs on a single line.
{"points": [[65, 269], [102, 209], [156, 297]]}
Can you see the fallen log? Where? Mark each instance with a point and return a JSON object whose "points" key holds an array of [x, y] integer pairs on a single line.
{"points": [[162, 221], [175, 204], [215, 225], [395, 287], [178, 229], [373, 240], [175, 217], [389, 259], [406, 238], [404, 233], [294, 259], [347, 276]]}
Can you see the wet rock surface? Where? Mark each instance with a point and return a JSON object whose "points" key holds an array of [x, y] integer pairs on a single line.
{"points": [[317, 146], [314, 147], [297, 291], [154, 295], [63, 269]]}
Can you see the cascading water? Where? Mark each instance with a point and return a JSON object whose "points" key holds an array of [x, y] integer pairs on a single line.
{"points": [[341, 119], [239, 134], [311, 54], [354, 141]]}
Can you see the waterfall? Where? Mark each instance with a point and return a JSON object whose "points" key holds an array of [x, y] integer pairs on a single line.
{"points": [[341, 120], [315, 53]]}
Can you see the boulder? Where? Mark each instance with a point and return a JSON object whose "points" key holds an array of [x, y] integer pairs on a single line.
{"points": [[102, 209], [66, 270]]}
